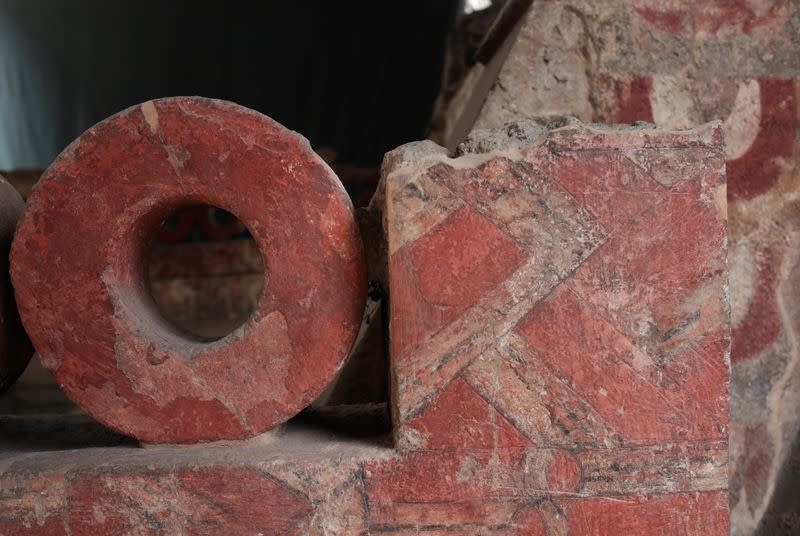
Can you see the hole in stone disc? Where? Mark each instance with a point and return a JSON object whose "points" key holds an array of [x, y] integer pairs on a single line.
{"points": [[205, 271]]}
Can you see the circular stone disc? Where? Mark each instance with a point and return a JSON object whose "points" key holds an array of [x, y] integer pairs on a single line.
{"points": [[79, 270], [15, 348]]}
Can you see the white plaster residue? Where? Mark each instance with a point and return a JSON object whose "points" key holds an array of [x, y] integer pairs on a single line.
{"points": [[672, 102], [742, 125], [150, 115], [467, 469], [742, 267]]}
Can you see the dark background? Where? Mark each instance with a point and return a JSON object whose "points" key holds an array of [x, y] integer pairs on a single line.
{"points": [[359, 77]]}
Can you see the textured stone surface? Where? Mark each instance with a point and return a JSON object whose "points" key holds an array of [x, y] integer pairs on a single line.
{"points": [[760, 122], [336, 475], [559, 358], [15, 348], [304, 480], [88, 310], [679, 64], [558, 303]]}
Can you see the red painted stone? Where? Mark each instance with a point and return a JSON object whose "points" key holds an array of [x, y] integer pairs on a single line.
{"points": [[460, 488], [15, 348], [761, 325], [303, 482], [563, 472], [200, 502], [703, 513], [714, 16], [474, 255], [94, 325], [609, 264], [598, 321], [761, 125], [462, 418], [628, 96], [680, 63], [530, 397]]}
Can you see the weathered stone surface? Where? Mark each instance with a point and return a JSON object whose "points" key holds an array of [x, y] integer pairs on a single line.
{"points": [[309, 479], [302, 480], [588, 249], [760, 122], [15, 348], [564, 48], [678, 64], [559, 343], [565, 293], [89, 312]]}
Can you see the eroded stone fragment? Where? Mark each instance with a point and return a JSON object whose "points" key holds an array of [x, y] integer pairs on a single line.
{"points": [[78, 266]]}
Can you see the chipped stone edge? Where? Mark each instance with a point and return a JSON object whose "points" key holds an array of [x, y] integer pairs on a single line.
{"points": [[512, 138]]}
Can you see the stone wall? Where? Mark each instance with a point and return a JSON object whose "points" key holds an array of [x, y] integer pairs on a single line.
{"points": [[679, 63]]}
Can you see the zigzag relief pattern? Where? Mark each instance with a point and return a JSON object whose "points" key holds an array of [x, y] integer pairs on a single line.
{"points": [[538, 402], [567, 297], [499, 267]]}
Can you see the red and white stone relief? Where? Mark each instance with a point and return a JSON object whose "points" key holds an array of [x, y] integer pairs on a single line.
{"points": [[679, 64], [760, 118], [559, 333], [559, 312]]}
